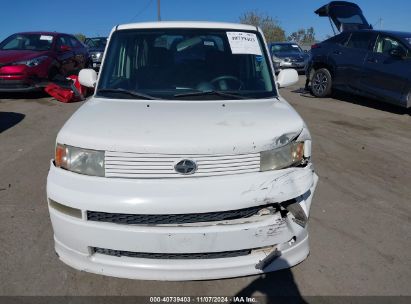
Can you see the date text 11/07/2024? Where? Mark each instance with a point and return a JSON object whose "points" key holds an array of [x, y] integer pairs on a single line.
{"points": [[220, 299]]}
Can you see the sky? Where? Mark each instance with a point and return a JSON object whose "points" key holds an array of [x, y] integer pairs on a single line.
{"points": [[98, 17]]}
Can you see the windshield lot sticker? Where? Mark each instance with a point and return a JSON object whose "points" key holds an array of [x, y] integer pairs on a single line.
{"points": [[243, 43], [44, 37]]}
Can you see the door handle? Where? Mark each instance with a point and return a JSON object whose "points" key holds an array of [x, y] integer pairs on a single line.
{"points": [[337, 52], [372, 60]]}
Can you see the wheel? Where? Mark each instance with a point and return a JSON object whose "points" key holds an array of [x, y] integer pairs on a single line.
{"points": [[321, 83]]}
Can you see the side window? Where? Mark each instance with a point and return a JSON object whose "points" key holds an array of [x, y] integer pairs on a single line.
{"points": [[67, 40], [62, 40], [340, 39], [359, 41], [387, 44], [75, 43]]}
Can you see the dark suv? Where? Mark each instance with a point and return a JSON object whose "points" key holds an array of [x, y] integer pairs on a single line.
{"points": [[96, 47], [363, 61]]}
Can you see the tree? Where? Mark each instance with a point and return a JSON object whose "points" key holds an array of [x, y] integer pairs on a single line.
{"points": [[303, 36], [80, 36], [270, 26], [297, 36]]}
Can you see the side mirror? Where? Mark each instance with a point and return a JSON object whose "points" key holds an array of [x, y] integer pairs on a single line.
{"points": [[287, 78], [87, 78], [65, 48]]}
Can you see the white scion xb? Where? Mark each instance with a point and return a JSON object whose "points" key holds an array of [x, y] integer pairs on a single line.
{"points": [[186, 163]]}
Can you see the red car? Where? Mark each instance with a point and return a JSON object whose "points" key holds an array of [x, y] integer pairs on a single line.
{"points": [[27, 59]]}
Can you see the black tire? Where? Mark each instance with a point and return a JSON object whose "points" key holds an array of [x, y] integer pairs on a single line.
{"points": [[321, 83]]}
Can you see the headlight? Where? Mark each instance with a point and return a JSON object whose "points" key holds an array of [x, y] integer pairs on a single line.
{"points": [[96, 56], [82, 161], [277, 60], [289, 155], [32, 62]]}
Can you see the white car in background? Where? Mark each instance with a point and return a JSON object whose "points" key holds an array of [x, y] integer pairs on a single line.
{"points": [[186, 163]]}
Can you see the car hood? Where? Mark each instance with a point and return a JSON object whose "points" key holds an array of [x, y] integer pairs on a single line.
{"points": [[8, 56], [182, 127], [95, 49], [289, 55]]}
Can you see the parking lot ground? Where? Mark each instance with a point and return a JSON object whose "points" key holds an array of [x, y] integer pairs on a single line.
{"points": [[360, 225]]}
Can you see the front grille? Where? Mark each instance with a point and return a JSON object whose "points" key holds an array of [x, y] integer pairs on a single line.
{"points": [[164, 219], [94, 57], [141, 165], [297, 59], [13, 84], [173, 256]]}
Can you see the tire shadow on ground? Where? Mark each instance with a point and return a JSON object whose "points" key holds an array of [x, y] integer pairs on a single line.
{"points": [[359, 100]]}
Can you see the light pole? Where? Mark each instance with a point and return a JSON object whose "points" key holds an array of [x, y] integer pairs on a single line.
{"points": [[158, 11]]}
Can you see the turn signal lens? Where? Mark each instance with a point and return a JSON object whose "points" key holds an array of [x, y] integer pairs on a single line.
{"points": [[297, 152], [60, 158]]}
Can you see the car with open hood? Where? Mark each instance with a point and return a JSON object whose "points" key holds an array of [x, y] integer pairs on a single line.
{"points": [[186, 163], [360, 60], [30, 58]]}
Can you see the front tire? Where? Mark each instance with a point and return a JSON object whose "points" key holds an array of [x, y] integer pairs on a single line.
{"points": [[321, 83]]}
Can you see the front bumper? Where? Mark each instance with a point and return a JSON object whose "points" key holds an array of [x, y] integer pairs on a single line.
{"points": [[20, 78], [96, 64], [299, 66], [264, 234], [18, 86]]}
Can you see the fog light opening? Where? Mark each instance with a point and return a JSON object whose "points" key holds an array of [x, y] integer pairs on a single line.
{"points": [[292, 241], [74, 212]]}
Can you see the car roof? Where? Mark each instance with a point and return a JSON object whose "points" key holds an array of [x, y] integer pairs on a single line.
{"points": [[186, 24], [398, 33], [392, 33], [44, 33], [289, 42]]}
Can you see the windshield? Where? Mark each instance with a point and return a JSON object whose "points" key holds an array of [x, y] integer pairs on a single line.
{"points": [[96, 42], [347, 14], [408, 40], [183, 63], [348, 18], [285, 48], [31, 42]]}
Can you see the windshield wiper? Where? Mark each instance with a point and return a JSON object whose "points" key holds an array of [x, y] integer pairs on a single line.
{"points": [[128, 92], [205, 93]]}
